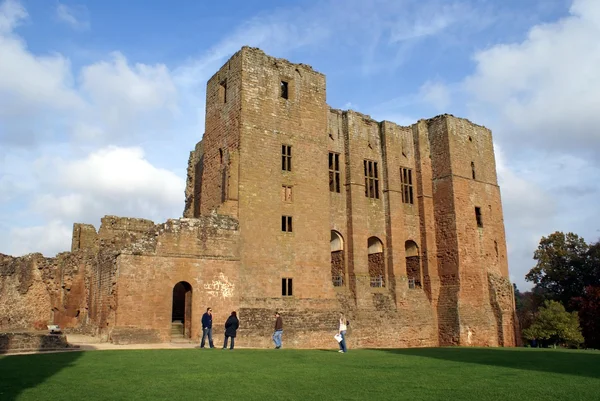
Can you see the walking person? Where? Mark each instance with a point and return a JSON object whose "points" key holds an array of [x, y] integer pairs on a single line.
{"points": [[231, 326], [278, 330], [207, 328], [342, 332]]}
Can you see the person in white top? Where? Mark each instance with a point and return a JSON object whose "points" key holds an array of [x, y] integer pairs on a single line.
{"points": [[342, 331]]}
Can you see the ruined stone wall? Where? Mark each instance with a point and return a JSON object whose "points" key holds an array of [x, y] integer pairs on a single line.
{"points": [[193, 185], [84, 238], [202, 252], [36, 291], [219, 182], [115, 234]]}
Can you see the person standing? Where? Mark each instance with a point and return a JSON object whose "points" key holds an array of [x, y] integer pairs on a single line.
{"points": [[342, 332], [278, 330], [231, 326], [207, 328]]}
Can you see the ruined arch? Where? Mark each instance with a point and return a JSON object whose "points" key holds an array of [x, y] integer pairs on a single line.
{"points": [[338, 265], [376, 262], [413, 264], [181, 315]]}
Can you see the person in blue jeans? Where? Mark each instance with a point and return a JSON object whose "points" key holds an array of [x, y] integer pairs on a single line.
{"points": [[207, 328], [278, 330], [342, 331]]}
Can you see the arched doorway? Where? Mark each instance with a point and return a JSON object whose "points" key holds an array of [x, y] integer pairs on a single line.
{"points": [[181, 317], [338, 270], [376, 262], [413, 264]]}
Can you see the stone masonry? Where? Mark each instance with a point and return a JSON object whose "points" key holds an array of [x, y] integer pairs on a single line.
{"points": [[293, 206]]}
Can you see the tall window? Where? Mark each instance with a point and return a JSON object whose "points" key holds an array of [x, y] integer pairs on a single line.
{"points": [[371, 179], [478, 217], [473, 169], [286, 224], [223, 91], [286, 287], [406, 185], [284, 89], [334, 172], [286, 193], [286, 157]]}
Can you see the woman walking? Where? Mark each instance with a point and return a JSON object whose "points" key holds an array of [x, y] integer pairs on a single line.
{"points": [[231, 326], [342, 332]]}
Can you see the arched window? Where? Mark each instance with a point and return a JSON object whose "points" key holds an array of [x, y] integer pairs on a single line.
{"points": [[338, 270], [413, 264], [376, 262], [181, 317]]}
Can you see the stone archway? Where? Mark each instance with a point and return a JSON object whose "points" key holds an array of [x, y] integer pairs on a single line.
{"points": [[338, 266], [376, 262], [413, 264], [181, 315]]}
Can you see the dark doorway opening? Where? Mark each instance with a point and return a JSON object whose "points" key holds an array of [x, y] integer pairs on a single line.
{"points": [[181, 318]]}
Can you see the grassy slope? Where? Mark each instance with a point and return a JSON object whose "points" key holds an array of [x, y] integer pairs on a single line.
{"points": [[411, 374]]}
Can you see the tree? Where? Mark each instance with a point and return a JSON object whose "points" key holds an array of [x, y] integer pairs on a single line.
{"points": [[554, 325], [526, 304], [589, 315], [561, 271]]}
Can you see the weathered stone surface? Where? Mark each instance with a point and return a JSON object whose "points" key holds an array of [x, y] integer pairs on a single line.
{"points": [[433, 230], [13, 342]]}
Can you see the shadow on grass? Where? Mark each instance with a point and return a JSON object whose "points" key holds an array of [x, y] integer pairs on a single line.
{"points": [[579, 363], [20, 372]]}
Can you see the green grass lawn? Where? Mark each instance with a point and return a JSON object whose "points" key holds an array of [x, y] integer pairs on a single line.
{"points": [[399, 374]]}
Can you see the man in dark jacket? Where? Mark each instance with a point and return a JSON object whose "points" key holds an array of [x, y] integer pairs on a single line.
{"points": [[207, 328], [278, 330], [231, 326]]}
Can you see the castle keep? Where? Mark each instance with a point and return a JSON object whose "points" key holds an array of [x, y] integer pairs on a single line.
{"points": [[291, 205]]}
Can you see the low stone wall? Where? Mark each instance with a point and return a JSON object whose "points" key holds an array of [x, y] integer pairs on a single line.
{"points": [[27, 342], [134, 335]]}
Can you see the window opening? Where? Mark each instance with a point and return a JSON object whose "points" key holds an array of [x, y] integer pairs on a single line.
{"points": [[286, 157], [371, 179], [478, 217], [413, 264], [337, 259], [286, 287], [284, 89], [376, 262], [223, 91], [334, 172], [286, 193], [473, 169], [406, 185], [286, 224]]}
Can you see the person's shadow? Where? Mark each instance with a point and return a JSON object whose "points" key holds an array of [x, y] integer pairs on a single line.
{"points": [[20, 372], [570, 362]]}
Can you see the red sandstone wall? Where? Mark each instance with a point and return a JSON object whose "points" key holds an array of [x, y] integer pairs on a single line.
{"points": [[36, 291]]}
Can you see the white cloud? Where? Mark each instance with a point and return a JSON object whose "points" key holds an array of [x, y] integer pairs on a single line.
{"points": [[545, 89], [435, 93], [76, 16], [47, 239], [111, 100], [11, 14], [111, 180]]}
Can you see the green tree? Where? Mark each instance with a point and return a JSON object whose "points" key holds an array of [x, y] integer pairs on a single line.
{"points": [[554, 325], [562, 270]]}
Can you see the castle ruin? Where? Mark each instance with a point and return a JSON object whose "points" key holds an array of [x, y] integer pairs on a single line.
{"points": [[293, 206]]}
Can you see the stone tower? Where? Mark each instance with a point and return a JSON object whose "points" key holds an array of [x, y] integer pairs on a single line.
{"points": [[399, 227]]}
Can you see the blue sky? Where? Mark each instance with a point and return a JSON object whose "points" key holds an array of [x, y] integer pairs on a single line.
{"points": [[101, 101]]}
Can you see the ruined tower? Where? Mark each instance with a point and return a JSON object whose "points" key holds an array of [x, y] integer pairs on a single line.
{"points": [[340, 212]]}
